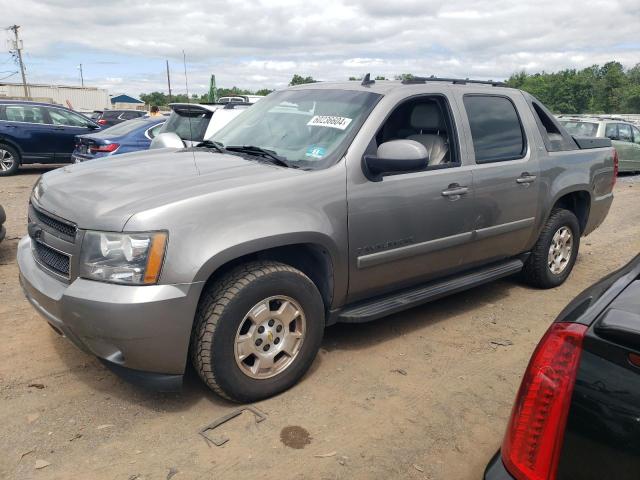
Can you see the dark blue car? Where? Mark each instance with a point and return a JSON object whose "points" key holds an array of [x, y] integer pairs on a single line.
{"points": [[34, 132], [129, 136]]}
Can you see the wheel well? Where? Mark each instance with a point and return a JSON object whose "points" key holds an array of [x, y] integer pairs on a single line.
{"points": [[311, 259], [577, 202]]}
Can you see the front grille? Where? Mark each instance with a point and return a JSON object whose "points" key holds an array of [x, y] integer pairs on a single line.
{"points": [[67, 230], [52, 259]]}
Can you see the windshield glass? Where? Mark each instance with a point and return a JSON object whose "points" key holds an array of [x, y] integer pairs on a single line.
{"points": [[188, 123], [307, 128], [581, 129]]}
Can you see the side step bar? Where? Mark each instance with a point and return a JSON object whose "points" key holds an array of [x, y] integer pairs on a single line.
{"points": [[383, 306]]}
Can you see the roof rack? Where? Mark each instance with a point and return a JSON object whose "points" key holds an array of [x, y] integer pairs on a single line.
{"points": [[455, 81]]}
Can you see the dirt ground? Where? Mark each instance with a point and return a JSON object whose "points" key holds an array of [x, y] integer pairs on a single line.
{"points": [[424, 394]]}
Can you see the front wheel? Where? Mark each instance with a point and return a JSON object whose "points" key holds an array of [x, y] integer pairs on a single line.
{"points": [[257, 331], [555, 252], [9, 160]]}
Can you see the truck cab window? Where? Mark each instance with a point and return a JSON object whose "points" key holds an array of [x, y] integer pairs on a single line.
{"points": [[427, 121], [495, 128]]}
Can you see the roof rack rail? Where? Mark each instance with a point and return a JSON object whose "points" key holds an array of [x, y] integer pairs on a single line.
{"points": [[455, 81]]}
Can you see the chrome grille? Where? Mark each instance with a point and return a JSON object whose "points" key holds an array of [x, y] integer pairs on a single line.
{"points": [[55, 261], [59, 228]]}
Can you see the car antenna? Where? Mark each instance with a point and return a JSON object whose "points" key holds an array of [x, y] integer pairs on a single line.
{"points": [[186, 86], [366, 81]]}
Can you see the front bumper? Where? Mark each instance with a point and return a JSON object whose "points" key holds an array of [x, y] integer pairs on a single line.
{"points": [[145, 328]]}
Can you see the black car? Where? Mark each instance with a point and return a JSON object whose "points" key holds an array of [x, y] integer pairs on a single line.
{"points": [[3, 217], [35, 132], [108, 118], [577, 413]]}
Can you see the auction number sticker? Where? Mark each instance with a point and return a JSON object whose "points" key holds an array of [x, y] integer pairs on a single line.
{"points": [[329, 121]]}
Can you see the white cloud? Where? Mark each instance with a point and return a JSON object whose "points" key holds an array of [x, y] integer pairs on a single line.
{"points": [[262, 43]]}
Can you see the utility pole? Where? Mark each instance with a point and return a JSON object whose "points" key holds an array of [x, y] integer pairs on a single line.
{"points": [[81, 76], [17, 46], [169, 81]]}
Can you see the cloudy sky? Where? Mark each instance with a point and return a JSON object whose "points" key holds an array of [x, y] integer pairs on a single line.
{"points": [[123, 44]]}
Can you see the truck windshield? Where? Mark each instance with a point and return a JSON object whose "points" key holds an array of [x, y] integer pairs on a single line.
{"points": [[309, 128], [580, 129]]}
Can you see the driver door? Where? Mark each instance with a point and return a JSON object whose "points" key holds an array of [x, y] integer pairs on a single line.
{"points": [[406, 229]]}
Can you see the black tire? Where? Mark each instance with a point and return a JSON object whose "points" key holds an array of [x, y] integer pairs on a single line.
{"points": [[222, 308], [16, 160], [536, 270]]}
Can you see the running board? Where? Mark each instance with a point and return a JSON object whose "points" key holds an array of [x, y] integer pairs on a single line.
{"points": [[381, 307]]}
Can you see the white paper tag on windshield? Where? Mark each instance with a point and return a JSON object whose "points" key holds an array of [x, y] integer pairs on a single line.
{"points": [[329, 121]]}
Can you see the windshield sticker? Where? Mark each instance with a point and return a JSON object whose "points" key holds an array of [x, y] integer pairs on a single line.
{"points": [[329, 121], [315, 152]]}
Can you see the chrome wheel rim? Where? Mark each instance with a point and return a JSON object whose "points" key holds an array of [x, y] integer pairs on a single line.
{"points": [[6, 160], [270, 337], [560, 250]]}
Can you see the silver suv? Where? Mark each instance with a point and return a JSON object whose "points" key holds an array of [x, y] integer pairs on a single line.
{"points": [[320, 204], [624, 135]]}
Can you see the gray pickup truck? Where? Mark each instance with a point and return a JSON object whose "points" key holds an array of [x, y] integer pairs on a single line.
{"points": [[323, 203]]}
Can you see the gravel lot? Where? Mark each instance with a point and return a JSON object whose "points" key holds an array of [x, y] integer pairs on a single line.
{"points": [[420, 395]]}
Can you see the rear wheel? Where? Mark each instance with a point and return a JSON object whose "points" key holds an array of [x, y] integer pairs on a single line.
{"points": [[9, 160], [555, 252], [257, 331]]}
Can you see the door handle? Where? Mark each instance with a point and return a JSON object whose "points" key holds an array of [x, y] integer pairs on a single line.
{"points": [[455, 191], [526, 178]]}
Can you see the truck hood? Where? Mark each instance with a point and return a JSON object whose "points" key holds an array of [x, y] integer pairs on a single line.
{"points": [[104, 194]]}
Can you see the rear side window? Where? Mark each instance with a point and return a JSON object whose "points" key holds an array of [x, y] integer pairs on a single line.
{"points": [[611, 131], [110, 115], [624, 132], [26, 114], [495, 128], [130, 115], [580, 129]]}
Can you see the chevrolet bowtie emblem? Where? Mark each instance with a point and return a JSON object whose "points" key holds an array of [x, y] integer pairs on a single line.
{"points": [[270, 337]]}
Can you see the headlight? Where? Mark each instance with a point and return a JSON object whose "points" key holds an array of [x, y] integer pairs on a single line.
{"points": [[129, 258]]}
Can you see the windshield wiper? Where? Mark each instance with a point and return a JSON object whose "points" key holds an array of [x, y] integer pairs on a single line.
{"points": [[262, 152], [211, 144]]}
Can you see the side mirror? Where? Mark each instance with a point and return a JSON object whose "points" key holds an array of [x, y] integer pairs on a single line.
{"points": [[167, 140], [396, 156], [93, 126]]}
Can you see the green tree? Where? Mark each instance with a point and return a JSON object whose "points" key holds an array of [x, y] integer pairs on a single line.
{"points": [[299, 80], [154, 98]]}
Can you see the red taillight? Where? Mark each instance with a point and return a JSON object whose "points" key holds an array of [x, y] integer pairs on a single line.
{"points": [[111, 147], [102, 121], [532, 443], [616, 167]]}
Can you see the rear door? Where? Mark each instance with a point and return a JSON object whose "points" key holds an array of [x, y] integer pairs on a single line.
{"points": [[66, 125], [505, 174], [27, 126]]}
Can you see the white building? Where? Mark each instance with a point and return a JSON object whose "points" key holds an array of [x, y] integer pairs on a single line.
{"points": [[77, 98]]}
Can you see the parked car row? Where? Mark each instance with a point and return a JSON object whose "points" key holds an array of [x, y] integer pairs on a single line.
{"points": [[33, 132]]}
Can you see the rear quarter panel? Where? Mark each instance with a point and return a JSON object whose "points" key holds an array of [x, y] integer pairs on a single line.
{"points": [[570, 171]]}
